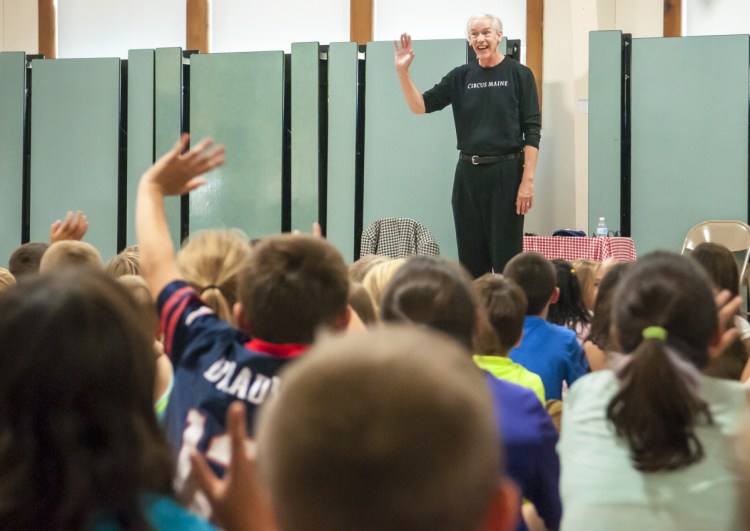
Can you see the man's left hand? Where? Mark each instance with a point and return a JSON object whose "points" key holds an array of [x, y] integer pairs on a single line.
{"points": [[525, 198]]}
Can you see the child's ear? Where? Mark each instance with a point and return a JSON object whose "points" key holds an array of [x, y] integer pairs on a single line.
{"points": [[240, 318], [342, 321], [555, 295]]}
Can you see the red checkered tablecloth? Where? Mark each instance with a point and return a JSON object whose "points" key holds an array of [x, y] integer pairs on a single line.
{"points": [[574, 247]]}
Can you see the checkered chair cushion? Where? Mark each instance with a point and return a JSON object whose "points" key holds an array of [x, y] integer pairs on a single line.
{"points": [[397, 238]]}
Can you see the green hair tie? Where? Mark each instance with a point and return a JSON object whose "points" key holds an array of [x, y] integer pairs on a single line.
{"points": [[654, 332]]}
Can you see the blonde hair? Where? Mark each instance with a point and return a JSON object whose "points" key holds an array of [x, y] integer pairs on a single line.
{"points": [[70, 253], [210, 261], [6, 279], [586, 273], [128, 262], [378, 277], [359, 269], [138, 289]]}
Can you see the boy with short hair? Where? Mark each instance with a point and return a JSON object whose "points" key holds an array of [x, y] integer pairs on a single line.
{"points": [[292, 286], [505, 304], [356, 440], [70, 253], [434, 292], [547, 349]]}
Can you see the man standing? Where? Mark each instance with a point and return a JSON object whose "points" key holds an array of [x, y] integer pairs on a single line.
{"points": [[498, 123]]}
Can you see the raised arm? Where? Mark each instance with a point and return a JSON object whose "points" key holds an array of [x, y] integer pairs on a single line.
{"points": [[177, 172], [404, 56]]}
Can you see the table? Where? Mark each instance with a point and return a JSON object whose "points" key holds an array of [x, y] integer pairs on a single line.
{"points": [[574, 247]]}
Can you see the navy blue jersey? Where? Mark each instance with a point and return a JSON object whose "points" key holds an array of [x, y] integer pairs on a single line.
{"points": [[214, 365]]}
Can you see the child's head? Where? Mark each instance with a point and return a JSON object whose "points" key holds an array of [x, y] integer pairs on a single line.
{"points": [[70, 253], [504, 303], [377, 278], [720, 264], [600, 324], [78, 435], [292, 286], [432, 291], [586, 274], [665, 317], [392, 430], [569, 309], [6, 279], [361, 303], [537, 277], [360, 268], [138, 289], [127, 262], [25, 259], [211, 261]]}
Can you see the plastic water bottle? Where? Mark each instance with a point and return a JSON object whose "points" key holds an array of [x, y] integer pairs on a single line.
{"points": [[601, 229]]}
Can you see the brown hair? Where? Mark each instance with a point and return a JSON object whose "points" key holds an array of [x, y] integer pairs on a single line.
{"points": [[70, 253], [78, 434], [292, 285], [211, 261], [388, 430], [504, 303], [656, 408], [600, 324], [720, 264], [432, 291], [25, 259], [537, 277]]}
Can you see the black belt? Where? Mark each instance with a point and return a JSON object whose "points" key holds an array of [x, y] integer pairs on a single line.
{"points": [[489, 159]]}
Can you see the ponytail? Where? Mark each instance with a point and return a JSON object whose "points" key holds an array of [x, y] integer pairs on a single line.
{"points": [[657, 406]]}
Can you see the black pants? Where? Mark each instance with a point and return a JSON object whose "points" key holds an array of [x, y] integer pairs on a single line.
{"points": [[488, 231]]}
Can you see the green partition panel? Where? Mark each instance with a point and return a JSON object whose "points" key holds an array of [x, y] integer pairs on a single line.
{"points": [[342, 145], [167, 118], [75, 128], [140, 128], [305, 137], [605, 122], [410, 160], [238, 99], [12, 107], [689, 136]]}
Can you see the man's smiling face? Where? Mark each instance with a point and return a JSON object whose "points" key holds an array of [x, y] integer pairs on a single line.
{"points": [[484, 39]]}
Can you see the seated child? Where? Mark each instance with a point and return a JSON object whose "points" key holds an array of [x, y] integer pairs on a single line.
{"points": [[290, 287], [547, 349], [434, 292], [356, 440], [80, 445], [504, 304], [70, 253]]}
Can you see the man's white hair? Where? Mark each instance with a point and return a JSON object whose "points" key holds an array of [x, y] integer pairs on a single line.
{"points": [[497, 24]]}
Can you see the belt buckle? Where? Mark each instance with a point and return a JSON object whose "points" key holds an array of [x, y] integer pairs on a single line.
{"points": [[474, 160]]}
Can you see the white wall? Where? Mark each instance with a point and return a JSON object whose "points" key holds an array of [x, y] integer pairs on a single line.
{"points": [[19, 26], [716, 17], [444, 19], [99, 28], [257, 25]]}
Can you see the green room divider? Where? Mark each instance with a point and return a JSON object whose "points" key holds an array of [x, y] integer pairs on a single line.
{"points": [[75, 135], [410, 160], [237, 99], [12, 115]]}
